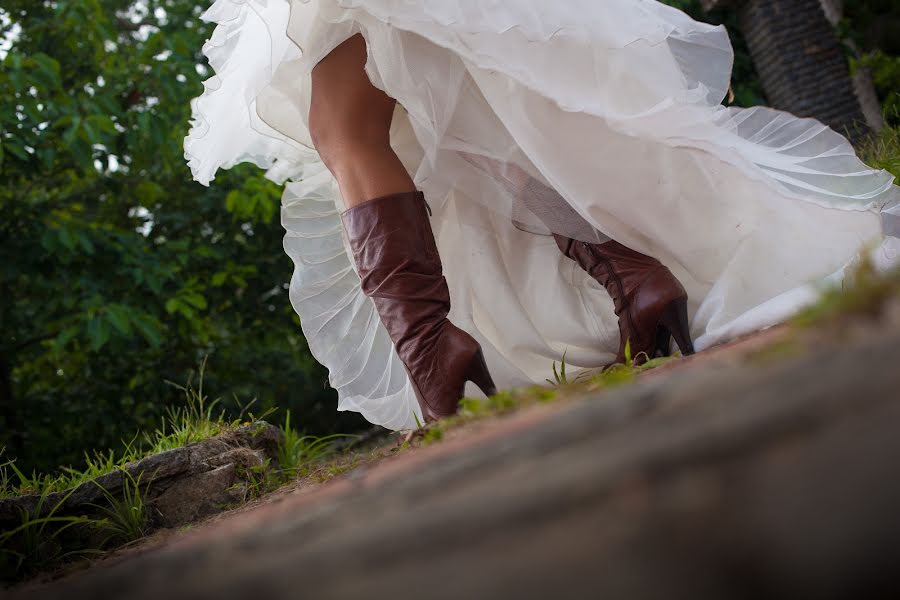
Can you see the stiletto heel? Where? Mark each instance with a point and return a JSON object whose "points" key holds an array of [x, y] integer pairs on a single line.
{"points": [[479, 375], [649, 301], [663, 342], [675, 320]]}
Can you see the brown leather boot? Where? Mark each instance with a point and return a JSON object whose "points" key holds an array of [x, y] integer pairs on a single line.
{"points": [[650, 303], [398, 264]]}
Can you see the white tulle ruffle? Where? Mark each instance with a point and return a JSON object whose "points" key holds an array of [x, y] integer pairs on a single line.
{"points": [[521, 117]]}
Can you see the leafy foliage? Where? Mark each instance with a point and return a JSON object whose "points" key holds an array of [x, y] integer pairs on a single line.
{"points": [[117, 272], [873, 27]]}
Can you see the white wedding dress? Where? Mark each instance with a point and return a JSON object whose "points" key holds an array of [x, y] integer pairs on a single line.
{"points": [[590, 118]]}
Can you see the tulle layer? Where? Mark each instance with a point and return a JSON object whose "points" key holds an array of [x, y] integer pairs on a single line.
{"points": [[590, 119]]}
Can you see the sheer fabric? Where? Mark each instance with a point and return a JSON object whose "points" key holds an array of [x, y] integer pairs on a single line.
{"points": [[595, 120]]}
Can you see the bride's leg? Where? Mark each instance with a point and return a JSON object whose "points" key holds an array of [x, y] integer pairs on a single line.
{"points": [[350, 121], [390, 234]]}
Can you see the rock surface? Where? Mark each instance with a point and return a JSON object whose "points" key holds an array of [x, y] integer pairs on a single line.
{"points": [[182, 484], [771, 479]]}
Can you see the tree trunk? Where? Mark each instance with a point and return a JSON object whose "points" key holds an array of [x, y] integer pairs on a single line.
{"points": [[800, 61]]}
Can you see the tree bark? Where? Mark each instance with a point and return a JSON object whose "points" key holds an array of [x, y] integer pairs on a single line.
{"points": [[801, 61]]}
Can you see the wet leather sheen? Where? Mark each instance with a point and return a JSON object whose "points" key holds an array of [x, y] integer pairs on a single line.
{"points": [[398, 264]]}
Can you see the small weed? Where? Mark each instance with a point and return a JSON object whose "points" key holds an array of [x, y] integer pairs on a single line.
{"points": [[6, 489], [36, 544], [562, 386], [297, 452], [559, 378], [258, 480], [191, 423], [613, 376], [433, 434], [126, 518], [864, 294]]}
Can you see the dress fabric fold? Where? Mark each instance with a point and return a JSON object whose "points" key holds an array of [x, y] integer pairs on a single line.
{"points": [[518, 118]]}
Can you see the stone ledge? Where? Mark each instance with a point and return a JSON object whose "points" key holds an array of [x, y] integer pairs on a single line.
{"points": [[183, 484]]}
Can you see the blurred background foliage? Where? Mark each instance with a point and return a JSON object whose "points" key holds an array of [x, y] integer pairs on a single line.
{"points": [[117, 272], [873, 27]]}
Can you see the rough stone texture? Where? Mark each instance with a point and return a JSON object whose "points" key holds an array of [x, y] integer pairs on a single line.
{"points": [[765, 480], [198, 495], [801, 63], [184, 483]]}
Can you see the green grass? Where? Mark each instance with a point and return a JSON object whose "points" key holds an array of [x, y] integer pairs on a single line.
{"points": [[561, 386], [883, 151], [865, 293], [42, 539], [126, 517], [197, 420], [37, 542], [299, 453], [13, 482]]}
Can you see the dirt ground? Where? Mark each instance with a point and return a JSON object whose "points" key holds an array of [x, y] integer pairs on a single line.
{"points": [[762, 468]]}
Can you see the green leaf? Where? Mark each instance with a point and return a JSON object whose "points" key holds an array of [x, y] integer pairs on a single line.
{"points": [[47, 70], [196, 300], [71, 133], [98, 333], [83, 154], [120, 318], [17, 150], [67, 238], [148, 193], [147, 328], [233, 201], [65, 336], [86, 244], [89, 133], [173, 305], [103, 123]]}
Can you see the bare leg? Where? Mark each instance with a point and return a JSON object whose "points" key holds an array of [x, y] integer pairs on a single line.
{"points": [[350, 121], [390, 238]]}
